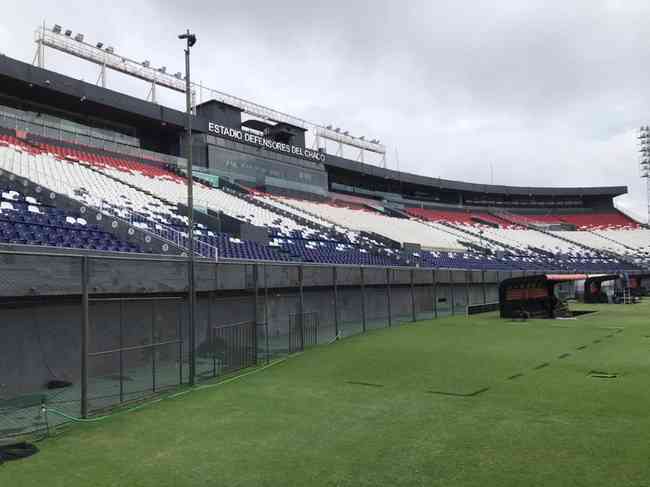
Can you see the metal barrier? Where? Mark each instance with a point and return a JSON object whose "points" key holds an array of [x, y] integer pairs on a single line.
{"points": [[118, 326], [482, 308], [303, 330], [234, 347], [126, 363]]}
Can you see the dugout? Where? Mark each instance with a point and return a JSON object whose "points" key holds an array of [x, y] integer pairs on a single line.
{"points": [[638, 284], [534, 296], [593, 292]]}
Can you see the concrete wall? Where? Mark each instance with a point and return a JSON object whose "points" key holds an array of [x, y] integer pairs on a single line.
{"points": [[41, 310]]}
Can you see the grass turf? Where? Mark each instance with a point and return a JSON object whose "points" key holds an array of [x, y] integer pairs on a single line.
{"points": [[457, 401]]}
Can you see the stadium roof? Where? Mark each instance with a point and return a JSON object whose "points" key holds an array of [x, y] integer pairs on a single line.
{"points": [[38, 85]]}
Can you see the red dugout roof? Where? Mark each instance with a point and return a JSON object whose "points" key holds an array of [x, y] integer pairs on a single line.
{"points": [[566, 277]]}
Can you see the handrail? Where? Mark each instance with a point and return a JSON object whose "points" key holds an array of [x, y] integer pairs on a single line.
{"points": [[54, 185]]}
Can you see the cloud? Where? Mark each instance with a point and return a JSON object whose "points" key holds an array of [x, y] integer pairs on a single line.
{"points": [[547, 92]]}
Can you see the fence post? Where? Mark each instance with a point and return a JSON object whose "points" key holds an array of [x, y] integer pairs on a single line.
{"points": [[414, 314], [468, 278], [85, 329], [435, 293], [191, 304], [179, 333], [266, 315], [363, 299], [121, 351], [336, 302], [212, 338], [388, 300], [453, 292], [154, 349], [257, 308], [301, 276], [483, 286]]}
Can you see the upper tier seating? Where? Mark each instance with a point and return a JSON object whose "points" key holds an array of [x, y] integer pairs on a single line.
{"points": [[637, 239], [600, 220], [400, 230], [173, 189], [459, 217], [514, 231]]}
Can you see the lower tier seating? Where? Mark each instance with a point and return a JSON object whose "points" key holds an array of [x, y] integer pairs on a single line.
{"points": [[25, 220]]}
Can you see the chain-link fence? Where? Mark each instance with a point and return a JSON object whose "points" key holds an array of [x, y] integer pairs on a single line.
{"points": [[85, 334]]}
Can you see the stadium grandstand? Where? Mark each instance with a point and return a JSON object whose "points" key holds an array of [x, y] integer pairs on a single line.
{"points": [[122, 157]]}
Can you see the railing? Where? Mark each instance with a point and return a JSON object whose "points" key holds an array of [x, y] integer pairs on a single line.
{"points": [[49, 183]]}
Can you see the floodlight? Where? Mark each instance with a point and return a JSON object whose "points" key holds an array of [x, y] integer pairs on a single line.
{"points": [[56, 29], [79, 38], [110, 50], [178, 75], [191, 38], [100, 45], [146, 63], [68, 32]]}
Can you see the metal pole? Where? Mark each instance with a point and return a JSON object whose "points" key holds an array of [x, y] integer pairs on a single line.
{"points": [[190, 218], [301, 305], [336, 302], [453, 292], [179, 334], [435, 294], [154, 349], [121, 351], [211, 335], [388, 296], [266, 316], [468, 278], [483, 286], [363, 299], [256, 277], [85, 330], [413, 313]]}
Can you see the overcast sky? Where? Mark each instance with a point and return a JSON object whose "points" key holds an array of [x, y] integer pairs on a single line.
{"points": [[547, 92]]}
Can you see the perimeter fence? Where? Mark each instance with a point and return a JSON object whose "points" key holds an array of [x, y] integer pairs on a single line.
{"points": [[84, 334]]}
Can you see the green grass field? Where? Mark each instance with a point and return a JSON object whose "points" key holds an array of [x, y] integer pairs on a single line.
{"points": [[456, 401]]}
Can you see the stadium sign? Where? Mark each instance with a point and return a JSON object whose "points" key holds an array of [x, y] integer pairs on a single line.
{"points": [[250, 138]]}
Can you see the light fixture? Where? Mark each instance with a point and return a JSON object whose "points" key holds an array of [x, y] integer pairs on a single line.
{"points": [[68, 32], [191, 39], [79, 38], [110, 50], [56, 29], [100, 45], [146, 63]]}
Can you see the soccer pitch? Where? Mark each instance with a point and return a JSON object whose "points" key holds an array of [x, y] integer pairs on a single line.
{"points": [[456, 401]]}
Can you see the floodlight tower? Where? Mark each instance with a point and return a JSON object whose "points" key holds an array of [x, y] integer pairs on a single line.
{"points": [[644, 164]]}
